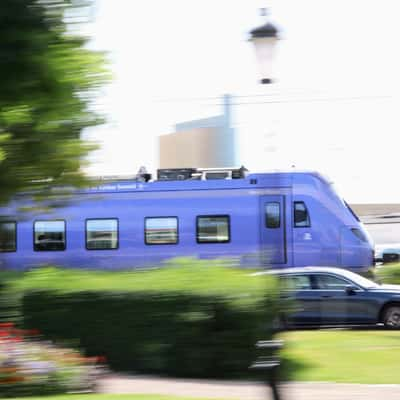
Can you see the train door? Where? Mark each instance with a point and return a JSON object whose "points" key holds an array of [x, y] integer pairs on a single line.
{"points": [[273, 233]]}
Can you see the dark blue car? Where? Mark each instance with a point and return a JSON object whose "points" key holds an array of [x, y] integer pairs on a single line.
{"points": [[334, 296]]}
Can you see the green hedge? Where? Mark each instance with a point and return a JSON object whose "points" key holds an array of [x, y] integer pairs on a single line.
{"points": [[197, 321], [389, 273]]}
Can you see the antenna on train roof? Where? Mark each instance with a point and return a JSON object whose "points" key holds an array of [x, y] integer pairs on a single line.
{"points": [[179, 174], [142, 175]]}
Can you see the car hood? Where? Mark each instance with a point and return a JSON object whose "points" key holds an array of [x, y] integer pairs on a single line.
{"points": [[387, 288]]}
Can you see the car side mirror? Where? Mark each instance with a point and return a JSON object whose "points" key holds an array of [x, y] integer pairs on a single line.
{"points": [[351, 290]]}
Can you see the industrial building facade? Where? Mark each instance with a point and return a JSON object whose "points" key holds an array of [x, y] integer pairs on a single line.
{"points": [[202, 143]]}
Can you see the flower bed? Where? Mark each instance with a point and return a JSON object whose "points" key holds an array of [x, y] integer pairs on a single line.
{"points": [[30, 366]]}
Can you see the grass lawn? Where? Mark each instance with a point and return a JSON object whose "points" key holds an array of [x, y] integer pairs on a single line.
{"points": [[343, 356], [108, 397]]}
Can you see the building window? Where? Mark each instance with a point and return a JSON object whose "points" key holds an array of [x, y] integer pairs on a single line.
{"points": [[161, 230], [272, 215], [102, 234], [301, 216], [49, 235], [213, 229], [8, 236]]}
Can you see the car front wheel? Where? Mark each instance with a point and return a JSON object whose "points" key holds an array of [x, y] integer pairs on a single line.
{"points": [[391, 317]]}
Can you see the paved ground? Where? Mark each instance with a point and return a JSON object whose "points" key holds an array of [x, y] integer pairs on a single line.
{"points": [[385, 234], [375, 209], [246, 391], [382, 222]]}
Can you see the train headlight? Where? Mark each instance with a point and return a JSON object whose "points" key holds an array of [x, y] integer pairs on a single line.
{"points": [[359, 234]]}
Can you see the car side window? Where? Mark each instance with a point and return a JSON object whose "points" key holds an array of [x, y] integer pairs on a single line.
{"points": [[330, 282], [296, 282]]}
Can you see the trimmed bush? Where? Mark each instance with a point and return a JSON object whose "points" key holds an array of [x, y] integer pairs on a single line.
{"points": [[191, 321]]}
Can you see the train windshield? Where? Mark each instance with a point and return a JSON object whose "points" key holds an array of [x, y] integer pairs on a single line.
{"points": [[352, 212], [334, 189]]}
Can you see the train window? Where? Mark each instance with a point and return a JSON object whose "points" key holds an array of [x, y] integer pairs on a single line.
{"points": [[8, 236], [102, 234], [49, 235], [301, 216], [161, 230], [272, 215], [213, 229], [359, 234]]}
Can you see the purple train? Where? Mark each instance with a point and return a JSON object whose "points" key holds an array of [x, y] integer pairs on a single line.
{"points": [[279, 219]]}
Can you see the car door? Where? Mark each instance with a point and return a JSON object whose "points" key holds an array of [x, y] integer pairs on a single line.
{"points": [[304, 307], [338, 305]]}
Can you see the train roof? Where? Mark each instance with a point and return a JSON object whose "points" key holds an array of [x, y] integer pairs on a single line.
{"points": [[209, 179], [203, 179]]}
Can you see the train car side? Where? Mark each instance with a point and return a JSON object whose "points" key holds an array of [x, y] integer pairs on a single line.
{"points": [[276, 219], [236, 211]]}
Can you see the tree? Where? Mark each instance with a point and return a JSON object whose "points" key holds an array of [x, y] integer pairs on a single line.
{"points": [[48, 81]]}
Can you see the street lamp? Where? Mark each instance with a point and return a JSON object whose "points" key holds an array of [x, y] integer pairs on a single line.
{"points": [[265, 38]]}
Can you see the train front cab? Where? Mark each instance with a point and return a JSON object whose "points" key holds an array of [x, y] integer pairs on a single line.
{"points": [[326, 232]]}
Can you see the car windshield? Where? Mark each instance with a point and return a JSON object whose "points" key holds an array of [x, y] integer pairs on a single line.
{"points": [[358, 279]]}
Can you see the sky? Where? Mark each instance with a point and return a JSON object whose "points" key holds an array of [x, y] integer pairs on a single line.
{"points": [[332, 108]]}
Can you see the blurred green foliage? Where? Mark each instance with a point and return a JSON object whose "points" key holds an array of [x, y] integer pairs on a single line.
{"points": [[49, 78], [193, 318], [184, 275], [388, 273]]}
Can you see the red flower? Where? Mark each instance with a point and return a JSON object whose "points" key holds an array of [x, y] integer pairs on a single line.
{"points": [[89, 359], [17, 332], [13, 379], [6, 325]]}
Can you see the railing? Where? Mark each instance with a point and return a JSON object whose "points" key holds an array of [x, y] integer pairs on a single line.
{"points": [[269, 363]]}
